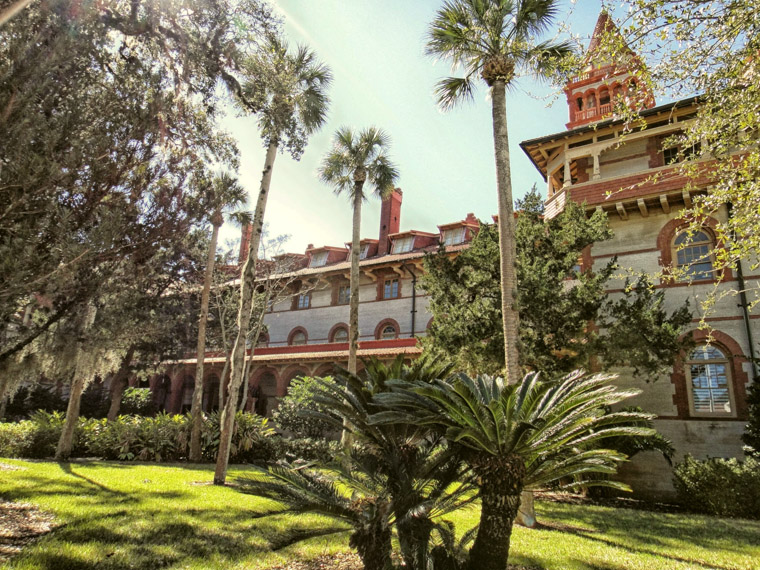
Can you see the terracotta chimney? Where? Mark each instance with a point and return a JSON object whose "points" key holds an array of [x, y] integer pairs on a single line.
{"points": [[245, 243], [390, 219]]}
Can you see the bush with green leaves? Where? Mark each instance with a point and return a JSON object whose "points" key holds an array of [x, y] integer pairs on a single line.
{"points": [[27, 400], [724, 487], [35, 438], [298, 412], [138, 401], [160, 438]]}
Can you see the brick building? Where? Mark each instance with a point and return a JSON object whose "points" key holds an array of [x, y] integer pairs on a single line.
{"points": [[701, 405], [307, 333]]}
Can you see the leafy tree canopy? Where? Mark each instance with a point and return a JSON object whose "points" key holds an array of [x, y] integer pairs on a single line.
{"points": [[566, 317]]}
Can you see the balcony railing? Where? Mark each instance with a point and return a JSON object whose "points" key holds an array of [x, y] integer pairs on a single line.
{"points": [[586, 114]]}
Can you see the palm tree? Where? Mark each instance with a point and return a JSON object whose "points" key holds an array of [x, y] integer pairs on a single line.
{"points": [[494, 39], [397, 475], [223, 193], [290, 90], [516, 437], [357, 159], [417, 470]]}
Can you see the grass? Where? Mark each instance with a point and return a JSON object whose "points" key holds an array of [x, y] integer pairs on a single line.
{"points": [[119, 516]]}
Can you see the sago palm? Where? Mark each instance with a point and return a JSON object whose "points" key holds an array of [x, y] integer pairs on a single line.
{"points": [[223, 194], [516, 437], [290, 91], [417, 469], [494, 40], [356, 160]]}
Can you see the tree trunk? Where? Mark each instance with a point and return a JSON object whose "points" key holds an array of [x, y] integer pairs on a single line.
{"points": [[373, 544], [196, 410], [118, 385], [500, 488], [3, 392], [247, 282], [65, 443], [353, 311], [9, 12], [507, 248], [223, 381]]}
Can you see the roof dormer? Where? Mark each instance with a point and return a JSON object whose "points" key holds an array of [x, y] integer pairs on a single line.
{"points": [[325, 255], [404, 242], [459, 232], [367, 248]]}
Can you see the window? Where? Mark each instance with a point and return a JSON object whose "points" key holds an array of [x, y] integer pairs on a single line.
{"points": [[677, 154], [390, 290], [693, 254], [364, 251], [318, 259], [709, 381], [388, 332], [402, 245], [344, 294], [453, 236], [304, 300], [340, 335], [298, 338]]}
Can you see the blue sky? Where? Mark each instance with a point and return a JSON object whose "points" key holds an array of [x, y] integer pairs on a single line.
{"points": [[375, 49]]}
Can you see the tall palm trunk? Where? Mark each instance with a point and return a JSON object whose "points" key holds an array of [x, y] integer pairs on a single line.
{"points": [[507, 248], [247, 282], [500, 488], [353, 316], [195, 409], [508, 259]]}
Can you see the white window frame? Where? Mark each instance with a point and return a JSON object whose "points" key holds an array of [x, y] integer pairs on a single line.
{"points": [[304, 301], [711, 361], [454, 236], [319, 259], [335, 334], [403, 244], [293, 339], [385, 328], [686, 261], [364, 251]]}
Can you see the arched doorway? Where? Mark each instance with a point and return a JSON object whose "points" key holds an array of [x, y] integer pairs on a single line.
{"points": [[188, 385], [162, 393], [211, 394], [266, 395]]}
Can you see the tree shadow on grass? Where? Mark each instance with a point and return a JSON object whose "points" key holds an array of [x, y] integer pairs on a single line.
{"points": [[654, 534]]}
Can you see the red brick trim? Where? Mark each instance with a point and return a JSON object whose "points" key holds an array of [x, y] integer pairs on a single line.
{"points": [[384, 323], [665, 245], [739, 377], [324, 370], [334, 329], [287, 377], [293, 333], [256, 375]]}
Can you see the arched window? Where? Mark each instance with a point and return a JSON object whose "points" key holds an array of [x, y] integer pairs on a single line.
{"points": [[693, 255], [340, 335], [709, 380], [297, 337], [389, 332]]}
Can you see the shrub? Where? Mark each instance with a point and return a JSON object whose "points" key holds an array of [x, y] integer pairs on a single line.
{"points": [[35, 438], [253, 440], [289, 415], [307, 449], [725, 487], [138, 401], [39, 397]]}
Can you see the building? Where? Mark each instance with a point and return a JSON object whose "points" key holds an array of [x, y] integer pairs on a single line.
{"points": [[701, 405], [307, 332]]}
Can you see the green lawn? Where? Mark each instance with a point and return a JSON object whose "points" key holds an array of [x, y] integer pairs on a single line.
{"points": [[117, 516]]}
